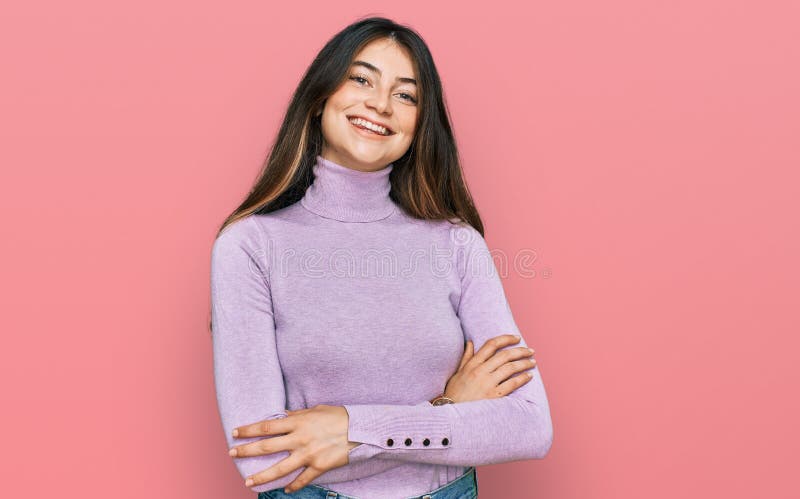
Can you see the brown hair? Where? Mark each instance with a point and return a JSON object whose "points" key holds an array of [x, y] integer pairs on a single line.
{"points": [[426, 181]]}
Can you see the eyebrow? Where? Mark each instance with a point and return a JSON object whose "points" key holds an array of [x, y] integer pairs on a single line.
{"points": [[376, 70]]}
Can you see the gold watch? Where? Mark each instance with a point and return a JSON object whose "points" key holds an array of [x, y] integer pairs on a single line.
{"points": [[441, 400]]}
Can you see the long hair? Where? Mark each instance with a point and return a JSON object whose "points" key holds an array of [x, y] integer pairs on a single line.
{"points": [[427, 181]]}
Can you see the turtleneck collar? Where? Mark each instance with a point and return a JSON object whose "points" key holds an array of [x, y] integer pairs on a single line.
{"points": [[349, 195]]}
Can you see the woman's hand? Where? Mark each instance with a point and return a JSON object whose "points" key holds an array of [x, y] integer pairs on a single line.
{"points": [[315, 438], [484, 374]]}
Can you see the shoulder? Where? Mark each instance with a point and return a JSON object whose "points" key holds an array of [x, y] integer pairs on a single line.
{"points": [[455, 230], [463, 243], [258, 229], [464, 237], [240, 243], [458, 237], [471, 252], [241, 232]]}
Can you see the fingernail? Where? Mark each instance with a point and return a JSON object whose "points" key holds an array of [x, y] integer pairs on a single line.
{"points": [[530, 375], [235, 432], [531, 350], [232, 452], [249, 482]]}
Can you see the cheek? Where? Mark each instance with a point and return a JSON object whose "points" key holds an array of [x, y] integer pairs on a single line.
{"points": [[408, 123], [335, 103], [331, 130], [343, 98]]}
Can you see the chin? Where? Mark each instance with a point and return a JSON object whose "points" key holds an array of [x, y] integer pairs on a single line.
{"points": [[373, 163], [369, 157]]}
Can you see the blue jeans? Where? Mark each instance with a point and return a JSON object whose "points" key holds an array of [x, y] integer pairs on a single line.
{"points": [[463, 487]]}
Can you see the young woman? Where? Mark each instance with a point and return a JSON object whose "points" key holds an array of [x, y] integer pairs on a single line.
{"points": [[351, 288]]}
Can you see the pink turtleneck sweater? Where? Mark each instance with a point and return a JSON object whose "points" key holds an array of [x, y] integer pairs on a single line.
{"points": [[343, 299]]}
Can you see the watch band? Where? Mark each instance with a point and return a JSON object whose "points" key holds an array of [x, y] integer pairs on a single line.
{"points": [[441, 400]]}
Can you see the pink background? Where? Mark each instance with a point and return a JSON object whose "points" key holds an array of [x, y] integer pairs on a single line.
{"points": [[646, 152]]}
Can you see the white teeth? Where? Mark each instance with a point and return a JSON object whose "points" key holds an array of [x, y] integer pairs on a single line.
{"points": [[368, 124]]}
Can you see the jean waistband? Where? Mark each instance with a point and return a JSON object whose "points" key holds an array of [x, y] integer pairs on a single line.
{"points": [[465, 486]]}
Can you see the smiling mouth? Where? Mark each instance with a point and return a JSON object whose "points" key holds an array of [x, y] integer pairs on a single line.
{"points": [[369, 126]]}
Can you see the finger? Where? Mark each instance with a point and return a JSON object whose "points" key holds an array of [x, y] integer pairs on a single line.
{"points": [[493, 344], [511, 368], [467, 354], [513, 383], [303, 479], [274, 426], [503, 357], [277, 470], [262, 447]]}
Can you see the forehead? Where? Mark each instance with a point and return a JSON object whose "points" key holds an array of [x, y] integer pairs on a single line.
{"points": [[390, 57]]}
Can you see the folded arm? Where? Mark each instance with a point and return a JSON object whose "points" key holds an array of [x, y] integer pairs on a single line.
{"points": [[247, 372], [515, 427]]}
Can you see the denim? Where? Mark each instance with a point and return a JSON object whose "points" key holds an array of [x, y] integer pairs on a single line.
{"points": [[463, 487]]}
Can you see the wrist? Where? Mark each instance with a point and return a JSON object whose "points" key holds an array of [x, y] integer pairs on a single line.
{"points": [[436, 397], [441, 400]]}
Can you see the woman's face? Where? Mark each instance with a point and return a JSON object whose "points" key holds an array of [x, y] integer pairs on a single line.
{"points": [[380, 88]]}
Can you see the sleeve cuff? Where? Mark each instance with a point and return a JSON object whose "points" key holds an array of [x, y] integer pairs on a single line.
{"points": [[386, 428]]}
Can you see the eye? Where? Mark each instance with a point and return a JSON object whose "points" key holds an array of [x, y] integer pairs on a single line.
{"points": [[362, 80], [409, 98], [356, 78]]}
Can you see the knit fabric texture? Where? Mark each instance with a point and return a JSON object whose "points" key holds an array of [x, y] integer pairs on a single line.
{"points": [[344, 299]]}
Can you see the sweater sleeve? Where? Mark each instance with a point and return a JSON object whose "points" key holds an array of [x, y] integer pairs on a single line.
{"points": [[247, 372], [489, 431]]}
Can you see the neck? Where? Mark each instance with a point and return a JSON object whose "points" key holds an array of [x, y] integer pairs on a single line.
{"points": [[349, 195]]}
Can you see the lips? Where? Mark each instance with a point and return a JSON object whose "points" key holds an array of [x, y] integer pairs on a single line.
{"points": [[384, 125]]}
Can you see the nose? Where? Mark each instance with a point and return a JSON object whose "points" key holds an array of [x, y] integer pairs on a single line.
{"points": [[381, 102]]}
